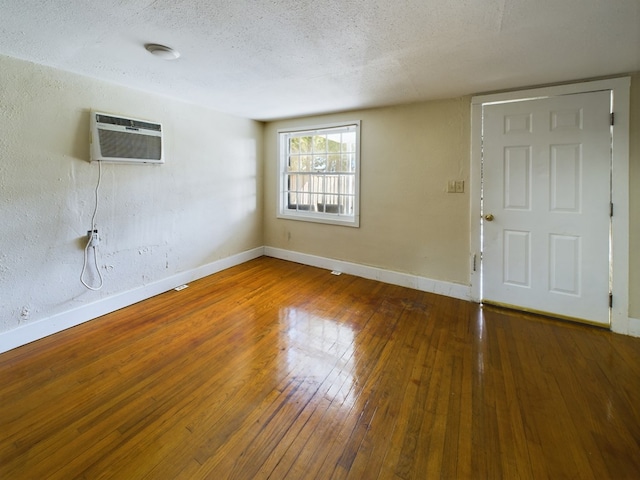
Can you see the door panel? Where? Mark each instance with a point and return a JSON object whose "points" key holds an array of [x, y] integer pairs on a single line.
{"points": [[517, 258], [546, 183], [517, 174], [564, 264], [565, 178]]}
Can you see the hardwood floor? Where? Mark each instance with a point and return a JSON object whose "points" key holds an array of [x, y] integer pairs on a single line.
{"points": [[277, 370]]}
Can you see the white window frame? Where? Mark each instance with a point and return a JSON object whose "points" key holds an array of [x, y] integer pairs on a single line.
{"points": [[283, 188]]}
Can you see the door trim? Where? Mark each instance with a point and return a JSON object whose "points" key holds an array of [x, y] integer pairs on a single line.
{"points": [[620, 87]]}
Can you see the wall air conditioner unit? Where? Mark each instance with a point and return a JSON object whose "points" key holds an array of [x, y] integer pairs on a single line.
{"points": [[125, 140]]}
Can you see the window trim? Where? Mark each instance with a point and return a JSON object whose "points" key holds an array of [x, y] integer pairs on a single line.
{"points": [[316, 217]]}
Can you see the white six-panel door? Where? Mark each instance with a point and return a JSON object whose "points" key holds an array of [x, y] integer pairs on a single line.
{"points": [[546, 205]]}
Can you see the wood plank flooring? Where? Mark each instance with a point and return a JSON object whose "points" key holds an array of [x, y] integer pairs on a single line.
{"points": [[274, 370]]}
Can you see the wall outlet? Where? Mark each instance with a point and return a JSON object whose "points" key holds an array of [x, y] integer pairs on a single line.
{"points": [[93, 238], [455, 186]]}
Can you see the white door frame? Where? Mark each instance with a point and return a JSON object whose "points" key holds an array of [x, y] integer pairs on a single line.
{"points": [[620, 184]]}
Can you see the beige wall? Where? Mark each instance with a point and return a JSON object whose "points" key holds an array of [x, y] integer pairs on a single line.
{"points": [[408, 223], [155, 221], [634, 199]]}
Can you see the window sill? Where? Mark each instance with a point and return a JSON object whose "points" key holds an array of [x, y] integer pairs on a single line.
{"points": [[340, 220]]}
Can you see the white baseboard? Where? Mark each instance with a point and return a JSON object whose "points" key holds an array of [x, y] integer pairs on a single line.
{"points": [[626, 326], [54, 324], [455, 290], [634, 327]]}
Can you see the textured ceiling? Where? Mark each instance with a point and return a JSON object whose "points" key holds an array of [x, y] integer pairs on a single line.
{"points": [[268, 59]]}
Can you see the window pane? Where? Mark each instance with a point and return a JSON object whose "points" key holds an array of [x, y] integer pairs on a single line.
{"points": [[331, 185], [314, 201], [305, 183], [347, 163], [347, 203], [294, 163], [294, 145], [348, 184], [305, 144], [352, 162], [333, 163], [305, 163], [349, 142], [312, 186], [319, 162], [304, 200], [291, 182], [320, 143], [292, 200], [296, 183], [334, 141]]}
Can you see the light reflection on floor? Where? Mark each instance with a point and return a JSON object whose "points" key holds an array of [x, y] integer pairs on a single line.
{"points": [[320, 351], [480, 342]]}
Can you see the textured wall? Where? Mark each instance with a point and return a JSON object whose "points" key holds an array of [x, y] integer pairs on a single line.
{"points": [[408, 223], [155, 221]]}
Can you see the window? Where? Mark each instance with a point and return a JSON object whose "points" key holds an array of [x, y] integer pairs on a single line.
{"points": [[319, 174]]}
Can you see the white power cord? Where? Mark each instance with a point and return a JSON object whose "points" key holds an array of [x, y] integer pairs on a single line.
{"points": [[93, 239]]}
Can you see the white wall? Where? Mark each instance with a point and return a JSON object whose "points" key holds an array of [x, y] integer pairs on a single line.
{"points": [[156, 221]]}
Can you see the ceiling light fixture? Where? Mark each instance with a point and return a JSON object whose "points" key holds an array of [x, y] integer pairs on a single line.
{"points": [[166, 53]]}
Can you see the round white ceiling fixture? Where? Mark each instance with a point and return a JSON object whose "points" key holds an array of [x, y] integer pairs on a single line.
{"points": [[162, 51]]}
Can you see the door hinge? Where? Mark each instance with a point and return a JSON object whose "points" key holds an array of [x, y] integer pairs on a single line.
{"points": [[611, 300], [474, 262], [611, 209], [613, 118]]}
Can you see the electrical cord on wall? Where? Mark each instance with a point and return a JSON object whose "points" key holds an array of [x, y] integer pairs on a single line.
{"points": [[93, 239]]}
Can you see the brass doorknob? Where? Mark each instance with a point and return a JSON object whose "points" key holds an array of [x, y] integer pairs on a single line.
{"points": [[488, 217]]}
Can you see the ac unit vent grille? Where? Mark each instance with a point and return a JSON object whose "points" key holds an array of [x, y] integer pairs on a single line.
{"points": [[124, 145], [128, 122]]}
